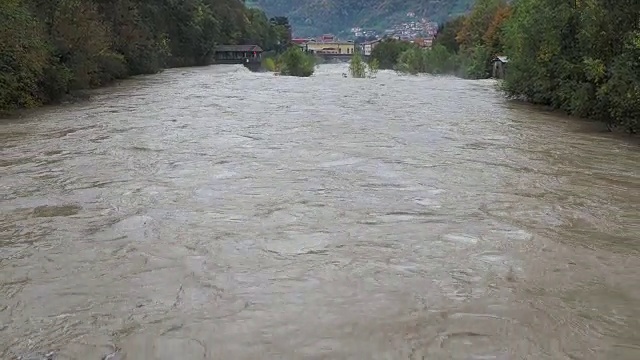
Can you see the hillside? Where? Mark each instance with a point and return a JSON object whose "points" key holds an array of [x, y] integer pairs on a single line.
{"points": [[311, 17]]}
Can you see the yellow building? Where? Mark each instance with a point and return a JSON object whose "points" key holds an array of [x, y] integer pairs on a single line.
{"points": [[333, 47]]}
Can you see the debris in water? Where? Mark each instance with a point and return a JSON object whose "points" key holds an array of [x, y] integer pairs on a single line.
{"points": [[116, 355], [51, 355]]}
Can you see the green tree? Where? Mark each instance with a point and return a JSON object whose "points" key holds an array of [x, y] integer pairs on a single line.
{"points": [[24, 56], [282, 30], [578, 56], [447, 33], [388, 51], [373, 66], [621, 92], [475, 63], [269, 64], [357, 67], [144, 51], [464, 45], [412, 61], [260, 31], [480, 30], [476, 23], [295, 62], [83, 44], [438, 60]]}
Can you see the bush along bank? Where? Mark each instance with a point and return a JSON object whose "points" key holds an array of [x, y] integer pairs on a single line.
{"points": [[50, 48]]}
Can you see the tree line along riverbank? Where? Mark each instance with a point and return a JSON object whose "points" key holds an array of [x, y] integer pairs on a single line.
{"points": [[49, 48], [579, 56]]}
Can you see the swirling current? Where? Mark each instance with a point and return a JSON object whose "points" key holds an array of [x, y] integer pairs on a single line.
{"points": [[216, 213]]}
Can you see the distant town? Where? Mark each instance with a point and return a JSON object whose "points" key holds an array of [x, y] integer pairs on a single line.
{"points": [[418, 31], [408, 31]]}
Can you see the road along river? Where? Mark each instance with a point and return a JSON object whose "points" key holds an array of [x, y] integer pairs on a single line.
{"points": [[215, 213]]}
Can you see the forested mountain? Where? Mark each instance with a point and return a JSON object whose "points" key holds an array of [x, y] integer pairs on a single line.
{"points": [[51, 47], [319, 16]]}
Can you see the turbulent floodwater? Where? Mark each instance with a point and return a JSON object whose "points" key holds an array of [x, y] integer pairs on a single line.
{"points": [[214, 213]]}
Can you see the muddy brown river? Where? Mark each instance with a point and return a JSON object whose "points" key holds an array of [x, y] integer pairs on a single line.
{"points": [[214, 213]]}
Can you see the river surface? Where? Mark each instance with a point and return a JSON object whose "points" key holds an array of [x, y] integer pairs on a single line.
{"points": [[214, 213]]}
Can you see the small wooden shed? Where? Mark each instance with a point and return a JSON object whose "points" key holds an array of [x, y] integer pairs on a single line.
{"points": [[498, 66]]}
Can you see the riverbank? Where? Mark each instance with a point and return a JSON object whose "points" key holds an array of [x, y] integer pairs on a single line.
{"points": [[582, 124], [44, 59], [86, 96], [557, 54], [83, 95]]}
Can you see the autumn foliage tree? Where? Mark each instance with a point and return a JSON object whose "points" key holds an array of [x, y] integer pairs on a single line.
{"points": [[494, 35], [581, 56], [479, 36], [477, 22]]}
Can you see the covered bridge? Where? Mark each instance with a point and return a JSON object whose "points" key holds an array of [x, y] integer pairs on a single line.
{"points": [[237, 54]]}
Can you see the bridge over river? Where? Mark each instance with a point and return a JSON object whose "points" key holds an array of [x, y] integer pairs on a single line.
{"points": [[336, 57]]}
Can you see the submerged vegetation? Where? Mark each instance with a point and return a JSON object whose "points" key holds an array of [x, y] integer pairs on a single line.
{"points": [[295, 62], [358, 68], [582, 57], [269, 64], [49, 48], [373, 67]]}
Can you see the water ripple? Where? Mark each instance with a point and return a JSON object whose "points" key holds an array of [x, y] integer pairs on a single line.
{"points": [[214, 213]]}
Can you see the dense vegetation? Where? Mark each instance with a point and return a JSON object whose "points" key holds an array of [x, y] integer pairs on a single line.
{"points": [[358, 68], [296, 62], [293, 61], [464, 46], [579, 56], [51, 47], [388, 51], [313, 17]]}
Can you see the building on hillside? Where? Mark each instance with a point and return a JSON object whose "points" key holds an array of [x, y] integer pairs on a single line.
{"points": [[368, 46], [325, 44], [499, 66], [300, 41], [327, 38], [332, 47], [425, 43]]}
